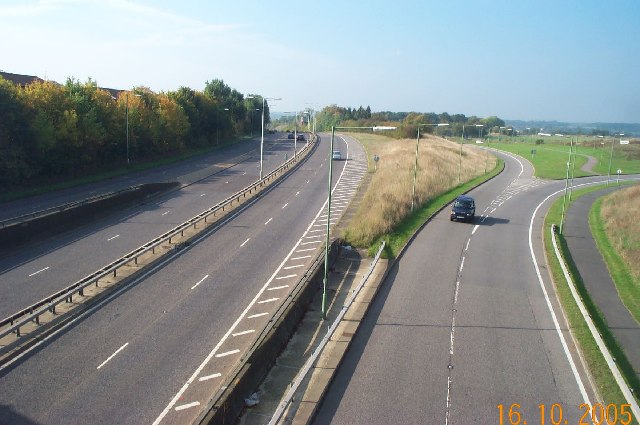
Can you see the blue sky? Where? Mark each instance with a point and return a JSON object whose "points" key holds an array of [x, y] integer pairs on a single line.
{"points": [[564, 60]]}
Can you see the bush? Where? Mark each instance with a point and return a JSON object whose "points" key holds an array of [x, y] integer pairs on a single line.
{"points": [[539, 142]]}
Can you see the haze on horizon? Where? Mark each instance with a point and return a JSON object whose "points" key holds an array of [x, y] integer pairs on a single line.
{"points": [[574, 61]]}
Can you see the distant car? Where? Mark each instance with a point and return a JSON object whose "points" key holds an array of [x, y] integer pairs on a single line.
{"points": [[300, 137], [464, 208], [337, 155], [290, 136]]}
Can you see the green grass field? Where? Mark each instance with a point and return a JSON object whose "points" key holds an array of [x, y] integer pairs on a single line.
{"points": [[551, 157]]}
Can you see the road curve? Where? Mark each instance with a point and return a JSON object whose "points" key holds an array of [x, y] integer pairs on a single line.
{"points": [[466, 321]]}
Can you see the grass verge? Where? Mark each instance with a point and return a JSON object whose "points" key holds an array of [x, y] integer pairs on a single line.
{"points": [[404, 231], [596, 364], [627, 285], [550, 162]]}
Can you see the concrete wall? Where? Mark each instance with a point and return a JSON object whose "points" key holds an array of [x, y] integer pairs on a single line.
{"points": [[63, 221]]}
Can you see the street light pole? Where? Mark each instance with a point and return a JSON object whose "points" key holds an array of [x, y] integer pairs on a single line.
{"points": [[564, 198], [573, 166], [127, 121], [326, 247], [415, 166], [611, 157], [461, 142], [295, 136]]}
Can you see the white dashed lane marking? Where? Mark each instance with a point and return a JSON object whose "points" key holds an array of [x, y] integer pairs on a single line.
{"points": [[112, 356], [113, 237], [268, 221], [199, 282], [244, 243], [39, 271]]}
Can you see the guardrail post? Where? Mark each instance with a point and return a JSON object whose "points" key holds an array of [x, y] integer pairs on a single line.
{"points": [[18, 332], [114, 273], [38, 319], [81, 292], [52, 309]]}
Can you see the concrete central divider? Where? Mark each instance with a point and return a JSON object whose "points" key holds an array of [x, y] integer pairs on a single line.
{"points": [[61, 219]]}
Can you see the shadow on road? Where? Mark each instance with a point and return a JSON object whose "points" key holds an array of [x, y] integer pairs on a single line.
{"points": [[10, 416], [490, 221]]}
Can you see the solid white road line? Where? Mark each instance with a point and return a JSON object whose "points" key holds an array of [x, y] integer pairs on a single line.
{"points": [[113, 237], [243, 243], [39, 271], [211, 354], [113, 355], [199, 282], [552, 312]]}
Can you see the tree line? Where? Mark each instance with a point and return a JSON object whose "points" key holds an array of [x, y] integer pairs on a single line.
{"points": [[50, 132], [407, 122]]}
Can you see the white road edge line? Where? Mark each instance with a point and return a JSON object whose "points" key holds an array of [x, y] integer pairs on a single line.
{"points": [[596, 335], [242, 315], [112, 356], [567, 353]]}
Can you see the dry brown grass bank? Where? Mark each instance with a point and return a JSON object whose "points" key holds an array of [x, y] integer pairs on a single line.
{"points": [[388, 198], [620, 215]]}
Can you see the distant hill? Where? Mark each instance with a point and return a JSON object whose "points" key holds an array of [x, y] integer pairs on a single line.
{"points": [[576, 128]]}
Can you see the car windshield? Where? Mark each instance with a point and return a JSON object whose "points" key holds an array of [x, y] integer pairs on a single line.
{"points": [[462, 204]]}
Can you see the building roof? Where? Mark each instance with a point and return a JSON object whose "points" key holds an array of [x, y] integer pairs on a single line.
{"points": [[19, 79]]}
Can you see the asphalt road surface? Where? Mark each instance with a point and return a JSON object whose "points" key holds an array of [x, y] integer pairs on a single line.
{"points": [[35, 271], [467, 321], [154, 352]]}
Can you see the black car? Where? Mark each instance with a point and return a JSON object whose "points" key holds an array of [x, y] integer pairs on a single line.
{"points": [[300, 137], [290, 136], [464, 208]]}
